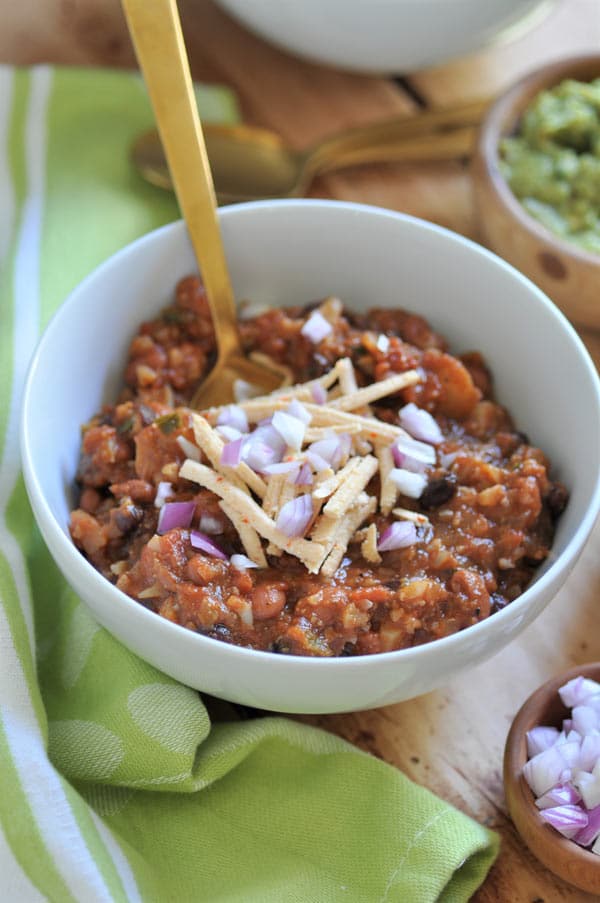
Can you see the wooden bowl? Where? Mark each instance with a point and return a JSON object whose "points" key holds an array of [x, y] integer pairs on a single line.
{"points": [[568, 275], [563, 857]]}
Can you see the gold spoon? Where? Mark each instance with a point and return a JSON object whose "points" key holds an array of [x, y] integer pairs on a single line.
{"points": [[249, 162], [156, 32]]}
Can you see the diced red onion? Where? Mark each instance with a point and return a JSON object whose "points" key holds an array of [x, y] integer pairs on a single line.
{"points": [[590, 751], [210, 524], [319, 393], [567, 820], [589, 788], [175, 514], [235, 416], [587, 835], [540, 738], [291, 467], [383, 343], [419, 451], [406, 462], [327, 449], [316, 327], [409, 484], [585, 719], [230, 433], [317, 461], [568, 724], [305, 477], [544, 771], [570, 751], [191, 450], [204, 543], [295, 516], [290, 428], [399, 535], [242, 562], [420, 424], [163, 491], [576, 691], [232, 452], [561, 795], [296, 409]]}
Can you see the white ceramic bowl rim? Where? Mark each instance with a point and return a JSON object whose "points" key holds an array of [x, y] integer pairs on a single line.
{"points": [[410, 655]]}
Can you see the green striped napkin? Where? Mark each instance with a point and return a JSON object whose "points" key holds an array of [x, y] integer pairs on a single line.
{"points": [[114, 785]]}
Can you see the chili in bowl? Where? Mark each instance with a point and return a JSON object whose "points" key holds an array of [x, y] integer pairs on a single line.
{"points": [[395, 510]]}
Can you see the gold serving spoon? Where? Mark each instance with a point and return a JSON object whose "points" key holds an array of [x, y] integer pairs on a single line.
{"points": [[249, 162], [156, 32]]}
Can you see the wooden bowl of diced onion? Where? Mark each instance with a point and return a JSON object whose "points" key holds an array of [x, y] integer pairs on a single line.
{"points": [[536, 728]]}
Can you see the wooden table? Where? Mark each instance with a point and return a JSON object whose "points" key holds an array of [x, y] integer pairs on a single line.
{"points": [[450, 740]]}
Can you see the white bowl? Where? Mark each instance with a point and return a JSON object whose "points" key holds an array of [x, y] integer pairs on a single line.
{"points": [[288, 252], [386, 35]]}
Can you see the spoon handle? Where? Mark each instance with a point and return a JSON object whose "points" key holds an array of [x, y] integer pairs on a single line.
{"points": [[156, 32], [401, 139]]}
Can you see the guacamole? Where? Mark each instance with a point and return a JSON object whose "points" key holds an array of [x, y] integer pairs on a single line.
{"points": [[552, 163]]}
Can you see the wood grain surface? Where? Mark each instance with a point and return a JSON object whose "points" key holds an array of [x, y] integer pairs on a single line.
{"points": [[450, 740]]}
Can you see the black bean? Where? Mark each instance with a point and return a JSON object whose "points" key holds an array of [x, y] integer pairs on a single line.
{"points": [[437, 492], [497, 602], [281, 647], [557, 500], [127, 518], [349, 649]]}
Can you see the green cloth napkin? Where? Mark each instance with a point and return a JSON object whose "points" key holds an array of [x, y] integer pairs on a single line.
{"points": [[114, 786]]}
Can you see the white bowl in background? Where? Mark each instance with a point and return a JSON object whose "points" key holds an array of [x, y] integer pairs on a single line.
{"points": [[289, 252], [395, 36]]}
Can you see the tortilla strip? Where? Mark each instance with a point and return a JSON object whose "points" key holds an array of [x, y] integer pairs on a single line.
{"points": [[270, 502], [329, 486], [414, 516], [375, 391], [346, 494], [346, 376], [248, 535], [372, 429], [346, 528], [263, 405], [331, 308], [310, 553], [313, 434], [368, 546], [388, 490], [211, 444]]}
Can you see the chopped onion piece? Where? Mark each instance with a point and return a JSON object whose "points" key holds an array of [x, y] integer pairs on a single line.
{"points": [[317, 461], [295, 516], [409, 484], [539, 739], [242, 562], [383, 343], [191, 450], [290, 428], [420, 451], [590, 752], [406, 462], [296, 409], [568, 820], [588, 835], [319, 393], [163, 491], [398, 535], [316, 327], [545, 770], [175, 514], [244, 391], [210, 524], [232, 452], [561, 795], [230, 433], [283, 467], [589, 787], [420, 424], [234, 416], [305, 477], [576, 691], [205, 544], [585, 719], [328, 449]]}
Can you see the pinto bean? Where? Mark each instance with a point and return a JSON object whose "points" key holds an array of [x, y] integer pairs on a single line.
{"points": [[267, 600]]}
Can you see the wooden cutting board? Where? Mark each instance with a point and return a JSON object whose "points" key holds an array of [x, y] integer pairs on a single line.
{"points": [[450, 740]]}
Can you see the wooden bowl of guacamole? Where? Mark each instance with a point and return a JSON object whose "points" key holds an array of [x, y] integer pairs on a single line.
{"points": [[536, 173]]}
